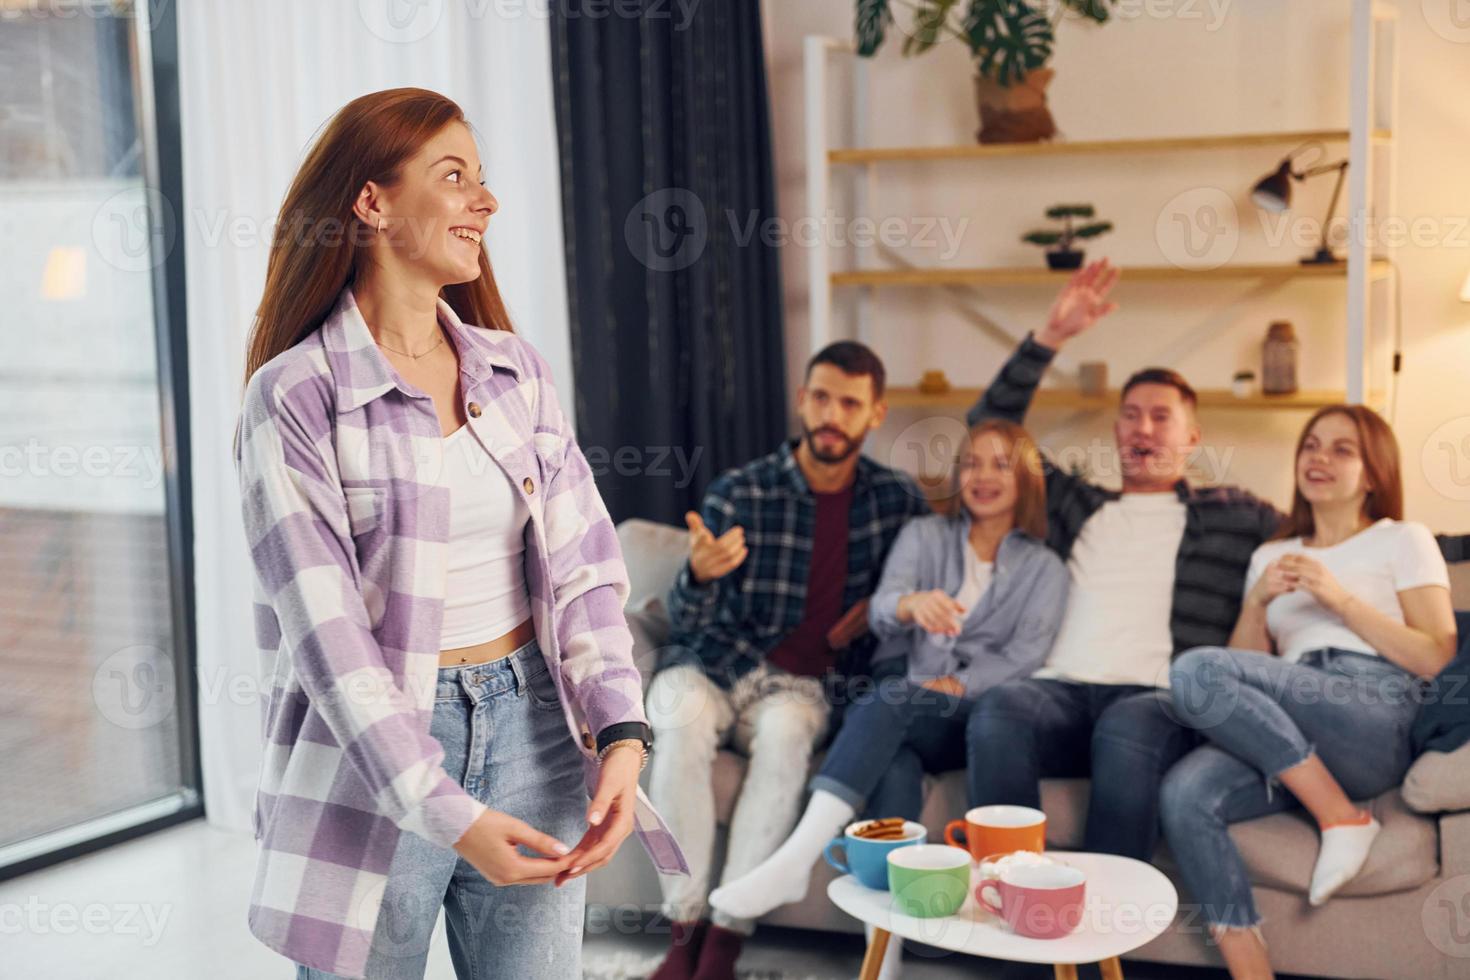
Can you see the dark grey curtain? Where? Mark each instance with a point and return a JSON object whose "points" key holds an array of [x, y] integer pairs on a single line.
{"points": [[674, 283]]}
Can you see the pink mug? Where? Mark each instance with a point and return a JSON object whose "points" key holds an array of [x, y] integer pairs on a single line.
{"points": [[1038, 901]]}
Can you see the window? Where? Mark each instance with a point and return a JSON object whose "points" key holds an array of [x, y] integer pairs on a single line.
{"points": [[96, 708]]}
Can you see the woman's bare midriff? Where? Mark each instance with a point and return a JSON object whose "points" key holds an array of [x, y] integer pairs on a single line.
{"points": [[480, 653]]}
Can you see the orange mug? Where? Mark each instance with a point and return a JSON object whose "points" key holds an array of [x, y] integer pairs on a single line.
{"points": [[994, 830]]}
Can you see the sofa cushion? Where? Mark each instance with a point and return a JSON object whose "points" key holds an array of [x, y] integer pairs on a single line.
{"points": [[1439, 781], [654, 554], [1281, 849]]}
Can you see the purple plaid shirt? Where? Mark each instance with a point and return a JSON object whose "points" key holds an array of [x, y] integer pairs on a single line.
{"points": [[348, 524]]}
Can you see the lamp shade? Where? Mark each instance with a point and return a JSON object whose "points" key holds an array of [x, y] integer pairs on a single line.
{"points": [[1465, 291], [1273, 193]]}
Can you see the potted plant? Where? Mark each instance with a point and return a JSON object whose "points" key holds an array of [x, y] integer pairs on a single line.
{"points": [[1011, 42], [1060, 253]]}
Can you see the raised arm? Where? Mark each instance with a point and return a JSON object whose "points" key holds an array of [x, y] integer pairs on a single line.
{"points": [[1081, 304]]}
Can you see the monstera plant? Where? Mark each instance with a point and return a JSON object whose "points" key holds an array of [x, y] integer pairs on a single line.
{"points": [[1010, 40]]}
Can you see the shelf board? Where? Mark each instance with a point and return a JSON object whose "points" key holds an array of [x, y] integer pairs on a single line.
{"points": [[1025, 275], [1072, 399], [978, 151]]}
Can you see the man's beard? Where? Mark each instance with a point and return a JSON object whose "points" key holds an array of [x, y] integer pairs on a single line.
{"points": [[849, 446]]}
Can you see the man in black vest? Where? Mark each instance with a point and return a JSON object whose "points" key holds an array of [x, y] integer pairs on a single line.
{"points": [[1155, 570]]}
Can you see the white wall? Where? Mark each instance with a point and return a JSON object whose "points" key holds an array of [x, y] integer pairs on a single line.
{"points": [[1195, 67]]}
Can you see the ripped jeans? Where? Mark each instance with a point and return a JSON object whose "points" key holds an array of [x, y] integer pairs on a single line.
{"points": [[1263, 716]]}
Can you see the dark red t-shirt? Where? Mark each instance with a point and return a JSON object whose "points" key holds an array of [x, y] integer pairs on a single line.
{"points": [[805, 650]]}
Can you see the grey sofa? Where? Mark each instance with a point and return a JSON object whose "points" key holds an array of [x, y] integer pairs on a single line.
{"points": [[1407, 915]]}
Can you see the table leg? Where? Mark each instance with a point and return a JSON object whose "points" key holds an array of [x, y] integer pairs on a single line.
{"points": [[1111, 969], [873, 961], [1065, 971]]}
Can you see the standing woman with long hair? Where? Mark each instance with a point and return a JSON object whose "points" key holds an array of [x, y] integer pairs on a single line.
{"points": [[439, 589]]}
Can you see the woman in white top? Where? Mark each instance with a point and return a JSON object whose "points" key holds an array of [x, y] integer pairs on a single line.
{"points": [[1346, 611]]}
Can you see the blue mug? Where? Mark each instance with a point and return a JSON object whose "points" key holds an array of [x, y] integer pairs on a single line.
{"points": [[867, 860]]}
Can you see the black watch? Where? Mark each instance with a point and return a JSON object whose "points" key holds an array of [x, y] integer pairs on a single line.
{"points": [[627, 729]]}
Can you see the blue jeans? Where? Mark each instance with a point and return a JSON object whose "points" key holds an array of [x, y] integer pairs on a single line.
{"points": [[504, 737], [1122, 735], [1262, 716], [890, 737]]}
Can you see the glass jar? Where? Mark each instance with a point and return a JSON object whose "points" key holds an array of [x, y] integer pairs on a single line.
{"points": [[1278, 360]]}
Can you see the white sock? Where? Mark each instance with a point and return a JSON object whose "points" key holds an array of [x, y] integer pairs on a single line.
{"points": [[892, 967], [1344, 851], [783, 877]]}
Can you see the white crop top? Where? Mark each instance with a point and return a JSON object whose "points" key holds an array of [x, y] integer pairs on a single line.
{"points": [[485, 595]]}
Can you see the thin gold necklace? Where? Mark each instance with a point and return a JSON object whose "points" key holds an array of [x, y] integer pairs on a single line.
{"points": [[405, 353]]}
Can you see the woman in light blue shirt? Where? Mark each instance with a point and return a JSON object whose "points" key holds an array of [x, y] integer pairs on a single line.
{"points": [[967, 600]]}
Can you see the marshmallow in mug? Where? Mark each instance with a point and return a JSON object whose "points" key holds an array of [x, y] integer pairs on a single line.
{"points": [[1016, 859]]}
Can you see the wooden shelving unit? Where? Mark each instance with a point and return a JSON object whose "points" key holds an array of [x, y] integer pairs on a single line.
{"points": [[1068, 399], [1027, 275], [1062, 148], [1373, 94]]}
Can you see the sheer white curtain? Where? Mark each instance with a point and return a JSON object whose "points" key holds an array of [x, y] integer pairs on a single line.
{"points": [[257, 81]]}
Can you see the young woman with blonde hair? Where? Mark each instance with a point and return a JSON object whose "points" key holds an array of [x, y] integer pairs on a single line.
{"points": [[968, 600]]}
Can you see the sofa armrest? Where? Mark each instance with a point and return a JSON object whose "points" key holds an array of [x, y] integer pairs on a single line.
{"points": [[1454, 843], [653, 553]]}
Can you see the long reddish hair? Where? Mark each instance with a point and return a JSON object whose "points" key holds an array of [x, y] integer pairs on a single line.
{"points": [[1380, 450], [319, 243]]}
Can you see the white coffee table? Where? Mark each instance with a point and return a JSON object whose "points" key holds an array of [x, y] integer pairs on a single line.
{"points": [[1128, 903]]}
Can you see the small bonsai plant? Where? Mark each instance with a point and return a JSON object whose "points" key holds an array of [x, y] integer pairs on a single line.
{"points": [[1060, 253]]}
